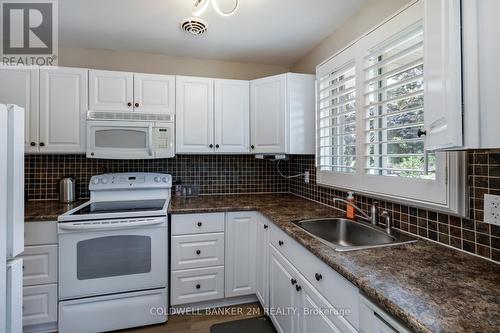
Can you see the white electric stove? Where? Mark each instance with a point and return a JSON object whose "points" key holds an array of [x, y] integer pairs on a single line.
{"points": [[113, 254]]}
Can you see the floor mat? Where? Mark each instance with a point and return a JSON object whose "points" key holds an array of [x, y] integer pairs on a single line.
{"points": [[252, 325]]}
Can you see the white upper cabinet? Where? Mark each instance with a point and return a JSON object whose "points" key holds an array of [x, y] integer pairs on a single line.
{"points": [[19, 85], [461, 74], [111, 91], [124, 91], [154, 93], [212, 115], [442, 74], [282, 114], [232, 116], [63, 108], [195, 115]]}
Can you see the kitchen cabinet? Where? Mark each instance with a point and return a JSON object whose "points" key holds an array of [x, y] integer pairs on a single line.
{"points": [[461, 74], [262, 261], [282, 114], [212, 115], [55, 104], [63, 110], [20, 85], [195, 115], [124, 91], [283, 296], [241, 228]]}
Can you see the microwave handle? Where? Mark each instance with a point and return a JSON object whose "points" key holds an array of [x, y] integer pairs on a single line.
{"points": [[150, 140]]}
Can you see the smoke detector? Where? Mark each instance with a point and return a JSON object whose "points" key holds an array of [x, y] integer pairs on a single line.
{"points": [[194, 25]]}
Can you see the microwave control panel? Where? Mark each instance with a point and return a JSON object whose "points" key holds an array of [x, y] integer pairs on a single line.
{"points": [[162, 137]]}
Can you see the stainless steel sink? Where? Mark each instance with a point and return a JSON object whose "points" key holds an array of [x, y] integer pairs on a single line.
{"points": [[348, 235]]}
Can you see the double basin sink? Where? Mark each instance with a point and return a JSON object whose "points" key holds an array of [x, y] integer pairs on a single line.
{"points": [[348, 235]]}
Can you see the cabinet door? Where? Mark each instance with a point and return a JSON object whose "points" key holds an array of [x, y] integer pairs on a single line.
{"points": [[232, 116], [268, 114], [283, 296], [19, 86], [154, 93], [63, 109], [262, 262], [240, 254], [194, 115], [111, 91], [442, 74]]}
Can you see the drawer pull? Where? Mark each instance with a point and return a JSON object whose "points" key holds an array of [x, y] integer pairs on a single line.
{"points": [[266, 226], [318, 276], [198, 286], [198, 252], [293, 281], [298, 288], [199, 224], [280, 243]]}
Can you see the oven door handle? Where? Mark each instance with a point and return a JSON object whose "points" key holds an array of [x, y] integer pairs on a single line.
{"points": [[108, 226]]}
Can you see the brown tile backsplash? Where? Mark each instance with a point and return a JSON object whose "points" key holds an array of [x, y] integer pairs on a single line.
{"points": [[469, 234], [226, 174], [216, 174]]}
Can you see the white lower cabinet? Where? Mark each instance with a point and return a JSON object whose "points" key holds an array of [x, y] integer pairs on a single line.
{"points": [[262, 261], [40, 277], [241, 230], [197, 285]]}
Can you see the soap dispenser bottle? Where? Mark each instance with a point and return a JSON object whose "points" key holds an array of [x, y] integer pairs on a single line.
{"points": [[350, 211]]}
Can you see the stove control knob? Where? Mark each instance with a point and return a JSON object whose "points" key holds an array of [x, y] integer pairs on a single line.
{"points": [[157, 179], [104, 180], [164, 179], [95, 181]]}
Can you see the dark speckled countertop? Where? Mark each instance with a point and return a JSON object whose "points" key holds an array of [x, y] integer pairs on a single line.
{"points": [[46, 210], [429, 287]]}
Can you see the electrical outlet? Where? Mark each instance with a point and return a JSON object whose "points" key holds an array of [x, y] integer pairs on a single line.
{"points": [[306, 177], [492, 209]]}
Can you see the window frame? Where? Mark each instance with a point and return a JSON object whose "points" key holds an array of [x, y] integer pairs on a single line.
{"points": [[446, 192]]}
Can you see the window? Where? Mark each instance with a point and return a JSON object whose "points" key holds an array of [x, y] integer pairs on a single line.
{"points": [[369, 113]]}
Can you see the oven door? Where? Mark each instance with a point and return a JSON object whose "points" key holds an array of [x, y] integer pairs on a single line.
{"points": [[105, 257], [119, 139]]}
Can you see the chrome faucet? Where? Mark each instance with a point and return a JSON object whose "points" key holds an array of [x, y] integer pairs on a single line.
{"points": [[373, 219]]}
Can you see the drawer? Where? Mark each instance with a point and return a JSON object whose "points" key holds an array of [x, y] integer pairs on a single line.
{"points": [[39, 304], [197, 285], [197, 223], [40, 233], [39, 265], [197, 251], [341, 293]]}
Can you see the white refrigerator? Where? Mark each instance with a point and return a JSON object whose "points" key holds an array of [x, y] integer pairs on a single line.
{"points": [[11, 217]]}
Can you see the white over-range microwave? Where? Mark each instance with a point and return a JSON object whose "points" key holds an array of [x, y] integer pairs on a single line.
{"points": [[130, 135]]}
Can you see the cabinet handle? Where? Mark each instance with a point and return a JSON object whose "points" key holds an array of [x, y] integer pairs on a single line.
{"points": [[293, 281], [210, 145], [199, 224], [298, 288], [129, 104], [198, 286], [41, 144], [252, 146], [280, 243], [217, 146], [198, 252], [266, 226], [420, 133], [318, 276], [136, 105], [32, 144]]}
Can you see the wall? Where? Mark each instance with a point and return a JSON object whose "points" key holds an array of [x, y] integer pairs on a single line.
{"points": [[216, 174], [468, 234], [371, 14], [163, 64]]}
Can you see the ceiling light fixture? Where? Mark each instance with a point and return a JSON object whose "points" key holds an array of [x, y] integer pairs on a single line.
{"points": [[201, 5]]}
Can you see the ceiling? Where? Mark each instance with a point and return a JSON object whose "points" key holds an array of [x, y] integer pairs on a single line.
{"points": [[276, 32]]}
